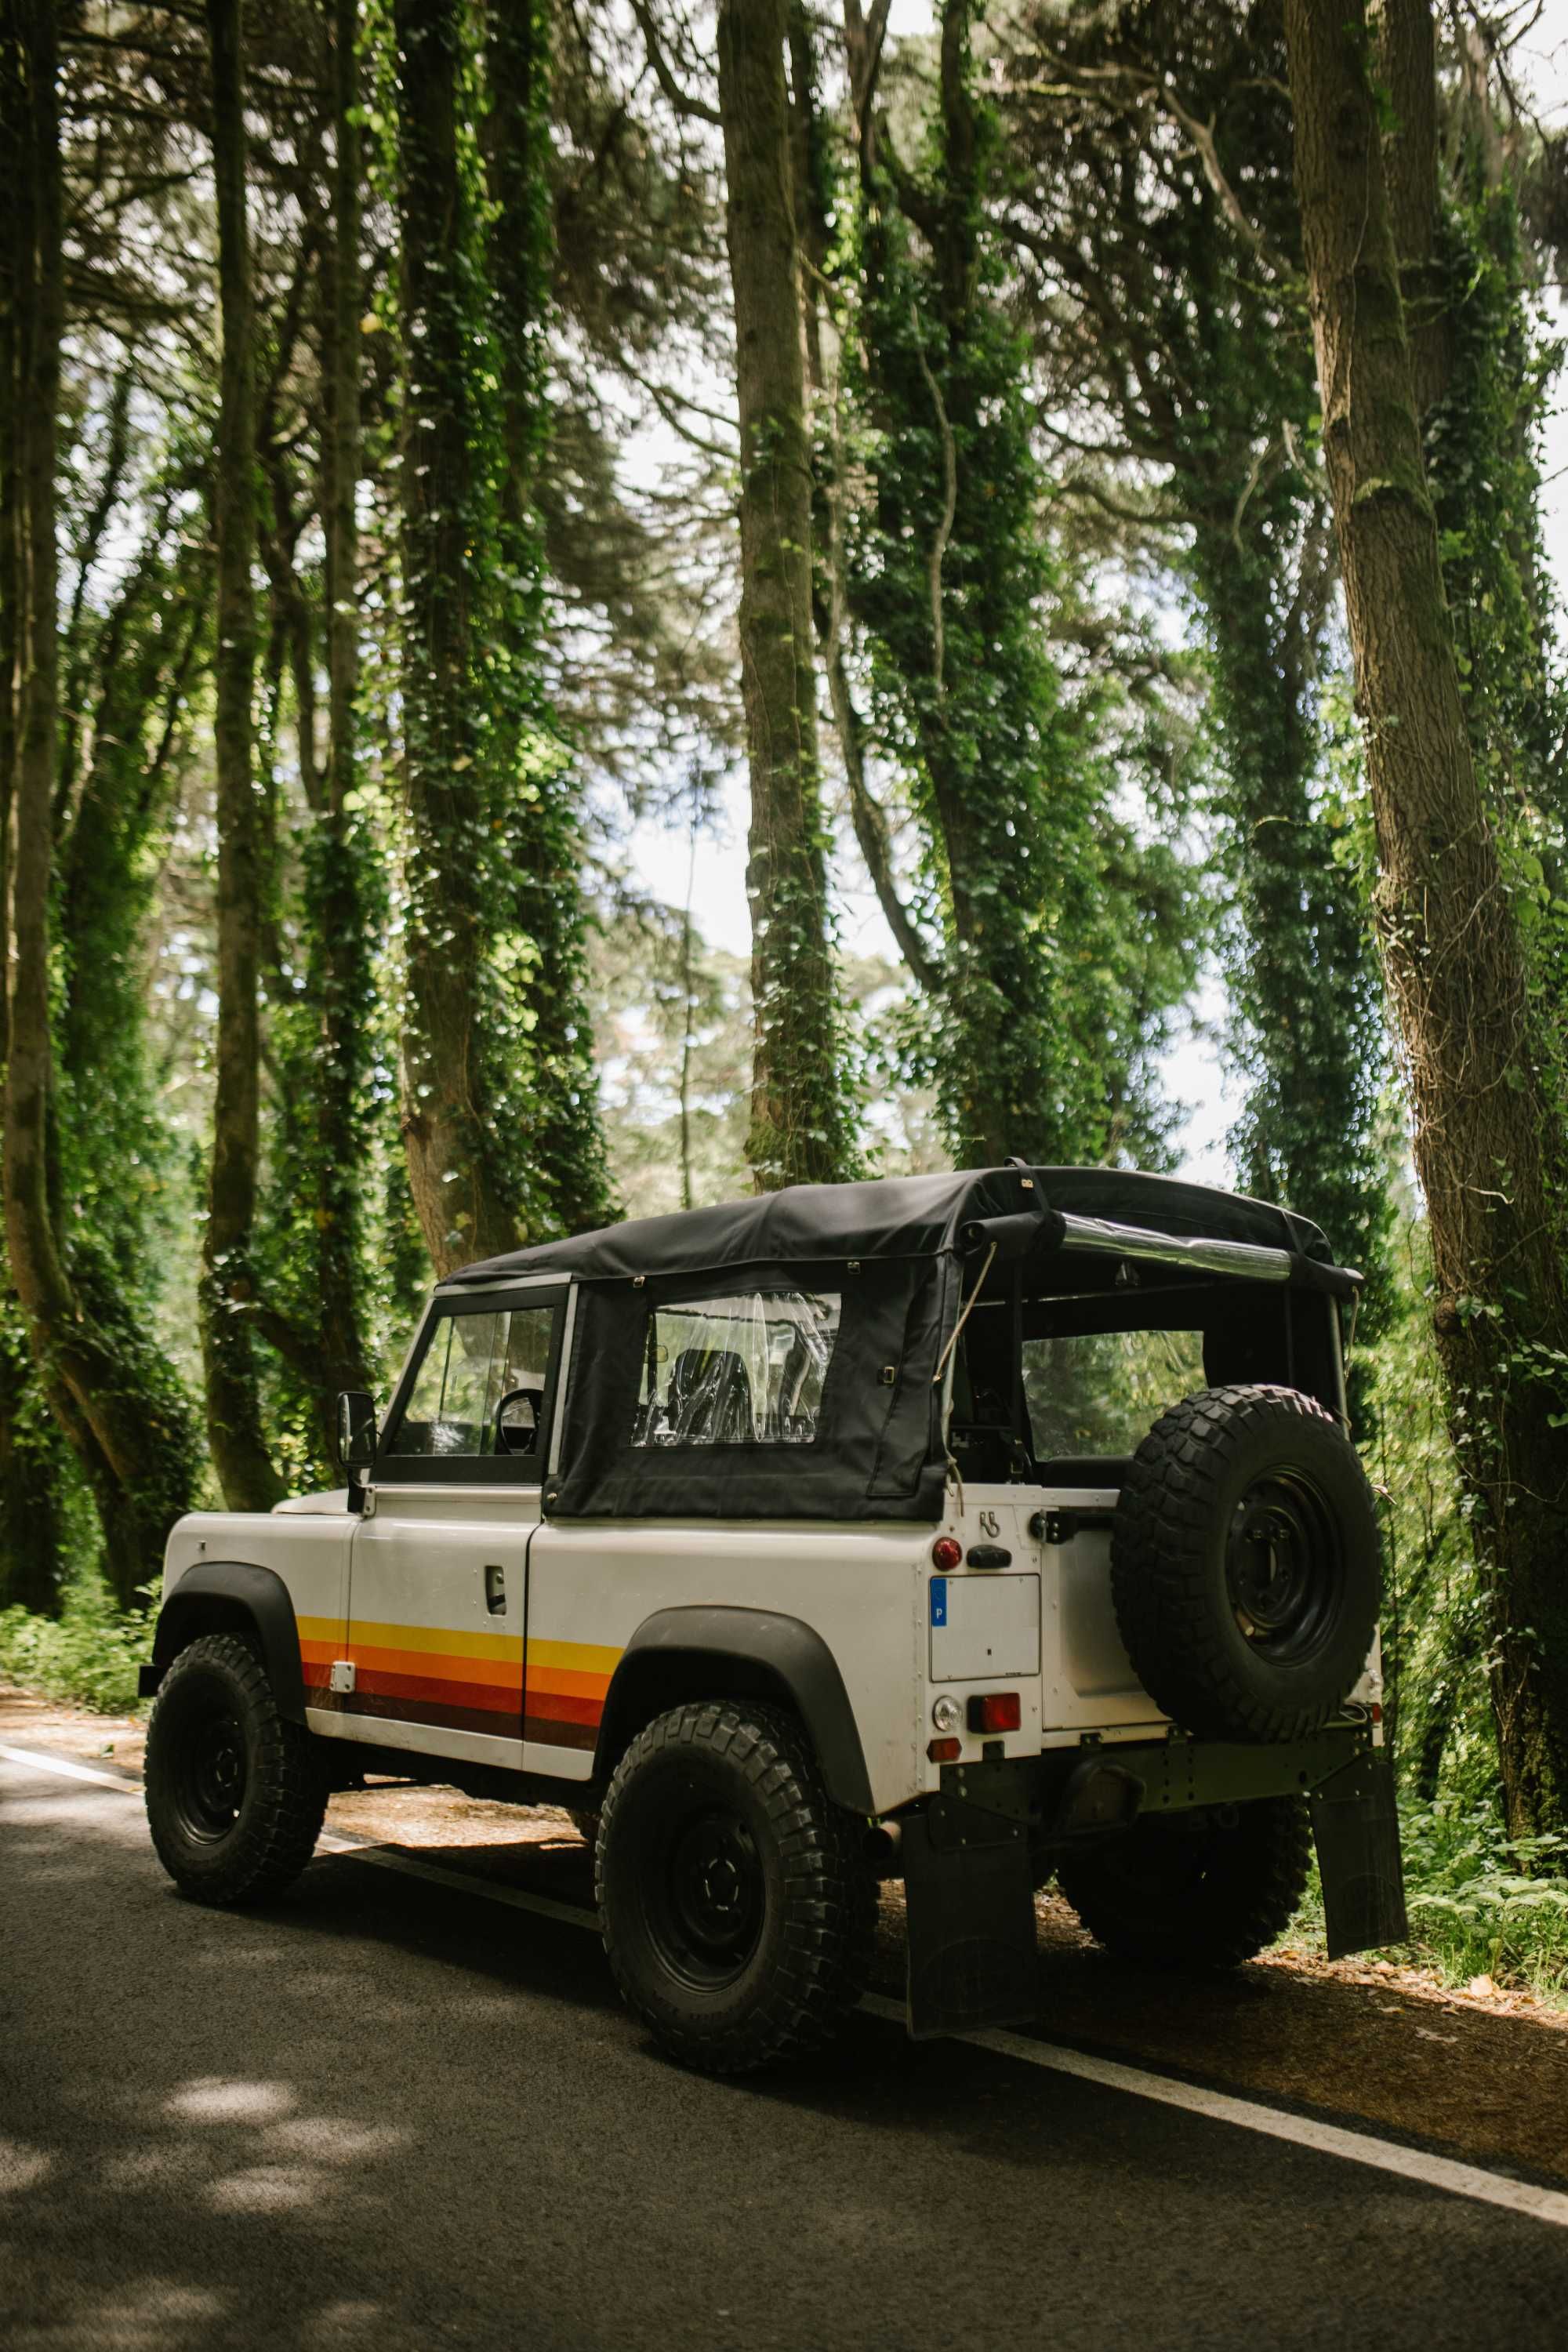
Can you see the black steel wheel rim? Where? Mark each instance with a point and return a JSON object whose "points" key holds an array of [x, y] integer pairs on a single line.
{"points": [[210, 1769], [705, 1895], [1285, 1568]]}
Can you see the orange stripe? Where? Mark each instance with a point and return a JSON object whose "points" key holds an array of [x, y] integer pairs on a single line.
{"points": [[567, 1686], [431, 1666]]}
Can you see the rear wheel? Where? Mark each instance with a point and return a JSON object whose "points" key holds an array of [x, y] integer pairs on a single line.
{"points": [[1202, 1890], [735, 1897], [236, 1795]]}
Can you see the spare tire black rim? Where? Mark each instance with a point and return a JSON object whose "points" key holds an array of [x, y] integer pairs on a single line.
{"points": [[210, 1771], [708, 1897], [1285, 1568]]}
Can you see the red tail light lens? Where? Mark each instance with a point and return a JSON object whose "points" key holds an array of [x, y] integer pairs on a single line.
{"points": [[944, 1751], [947, 1553], [997, 1711]]}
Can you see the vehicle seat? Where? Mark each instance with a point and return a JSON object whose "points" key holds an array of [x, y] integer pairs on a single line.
{"points": [[709, 1401]]}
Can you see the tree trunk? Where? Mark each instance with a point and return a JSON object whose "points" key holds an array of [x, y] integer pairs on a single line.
{"points": [[235, 1433], [342, 878], [1488, 1149], [564, 1135], [461, 1168], [124, 1430], [800, 1123]]}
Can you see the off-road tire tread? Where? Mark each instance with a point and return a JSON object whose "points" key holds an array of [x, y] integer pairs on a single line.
{"points": [[1231, 1920], [830, 1892], [1158, 1587], [283, 1831]]}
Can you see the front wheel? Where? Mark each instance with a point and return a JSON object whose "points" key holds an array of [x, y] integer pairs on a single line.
{"points": [[1200, 1890], [236, 1795], [736, 1898]]}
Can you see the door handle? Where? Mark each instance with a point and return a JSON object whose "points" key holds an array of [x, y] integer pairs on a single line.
{"points": [[495, 1590]]}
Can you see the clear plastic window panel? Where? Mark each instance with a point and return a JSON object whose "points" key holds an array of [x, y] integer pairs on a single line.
{"points": [[1101, 1392], [473, 1362], [745, 1370]]}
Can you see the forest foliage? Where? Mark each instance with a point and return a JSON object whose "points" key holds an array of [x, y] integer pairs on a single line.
{"points": [[444, 441]]}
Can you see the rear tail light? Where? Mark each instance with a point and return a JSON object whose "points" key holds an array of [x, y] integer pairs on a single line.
{"points": [[997, 1711], [944, 1751], [947, 1553]]}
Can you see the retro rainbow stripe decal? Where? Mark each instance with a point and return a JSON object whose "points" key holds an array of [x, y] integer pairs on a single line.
{"points": [[462, 1682], [566, 1685]]}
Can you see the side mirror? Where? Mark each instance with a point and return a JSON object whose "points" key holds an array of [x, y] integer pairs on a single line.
{"points": [[356, 1429]]}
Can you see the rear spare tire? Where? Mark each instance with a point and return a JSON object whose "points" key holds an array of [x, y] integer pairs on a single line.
{"points": [[1244, 1564], [1203, 1890]]}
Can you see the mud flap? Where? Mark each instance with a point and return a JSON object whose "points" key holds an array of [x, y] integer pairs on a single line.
{"points": [[970, 1902], [1356, 1824]]}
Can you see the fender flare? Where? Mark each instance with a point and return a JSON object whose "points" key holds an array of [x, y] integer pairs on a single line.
{"points": [[781, 1651], [263, 1597]]}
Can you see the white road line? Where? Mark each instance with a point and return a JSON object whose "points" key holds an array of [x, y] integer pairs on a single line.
{"points": [[69, 1768], [1329, 2139], [1443, 2172]]}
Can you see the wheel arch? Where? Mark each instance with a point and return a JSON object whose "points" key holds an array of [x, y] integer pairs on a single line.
{"points": [[225, 1596], [705, 1650]]}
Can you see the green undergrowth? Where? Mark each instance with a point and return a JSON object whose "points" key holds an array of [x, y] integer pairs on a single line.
{"points": [[87, 1656], [1480, 1903]]}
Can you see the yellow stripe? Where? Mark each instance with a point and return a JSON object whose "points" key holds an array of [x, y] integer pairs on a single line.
{"points": [[321, 1629], [574, 1657]]}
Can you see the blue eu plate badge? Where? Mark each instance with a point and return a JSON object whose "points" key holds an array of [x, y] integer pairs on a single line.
{"points": [[939, 1601]]}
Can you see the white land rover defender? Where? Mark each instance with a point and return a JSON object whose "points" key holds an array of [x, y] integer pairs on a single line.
{"points": [[966, 1527]]}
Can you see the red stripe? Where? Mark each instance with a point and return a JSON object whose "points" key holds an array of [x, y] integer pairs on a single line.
{"points": [[444, 1690], [559, 1708]]}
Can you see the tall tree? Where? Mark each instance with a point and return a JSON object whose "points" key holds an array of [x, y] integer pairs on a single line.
{"points": [[954, 584], [235, 1433], [479, 760], [565, 1136], [800, 1120], [1489, 1141], [105, 1384], [1168, 340]]}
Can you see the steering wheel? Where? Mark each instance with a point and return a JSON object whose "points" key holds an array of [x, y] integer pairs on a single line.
{"points": [[520, 1436]]}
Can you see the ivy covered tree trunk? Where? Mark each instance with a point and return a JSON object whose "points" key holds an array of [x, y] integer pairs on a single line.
{"points": [[801, 1128], [948, 585], [235, 1433], [1488, 1149], [1302, 968], [465, 1055], [564, 1134], [344, 896], [99, 1377]]}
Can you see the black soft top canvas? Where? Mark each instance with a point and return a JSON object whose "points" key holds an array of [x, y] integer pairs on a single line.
{"points": [[899, 1216], [892, 1251]]}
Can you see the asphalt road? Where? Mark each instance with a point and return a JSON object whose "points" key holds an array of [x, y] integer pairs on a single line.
{"points": [[390, 2115]]}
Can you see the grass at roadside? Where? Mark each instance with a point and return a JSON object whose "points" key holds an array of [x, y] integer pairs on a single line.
{"points": [[87, 1656], [1481, 1905]]}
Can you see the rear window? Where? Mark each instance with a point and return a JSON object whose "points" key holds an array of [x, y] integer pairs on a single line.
{"points": [[747, 1369], [1101, 1392]]}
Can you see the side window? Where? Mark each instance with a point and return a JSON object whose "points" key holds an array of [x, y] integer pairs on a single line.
{"points": [[745, 1370], [480, 1388]]}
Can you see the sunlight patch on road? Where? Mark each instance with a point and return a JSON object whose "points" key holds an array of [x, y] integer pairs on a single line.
{"points": [[212, 2101], [21, 2166]]}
